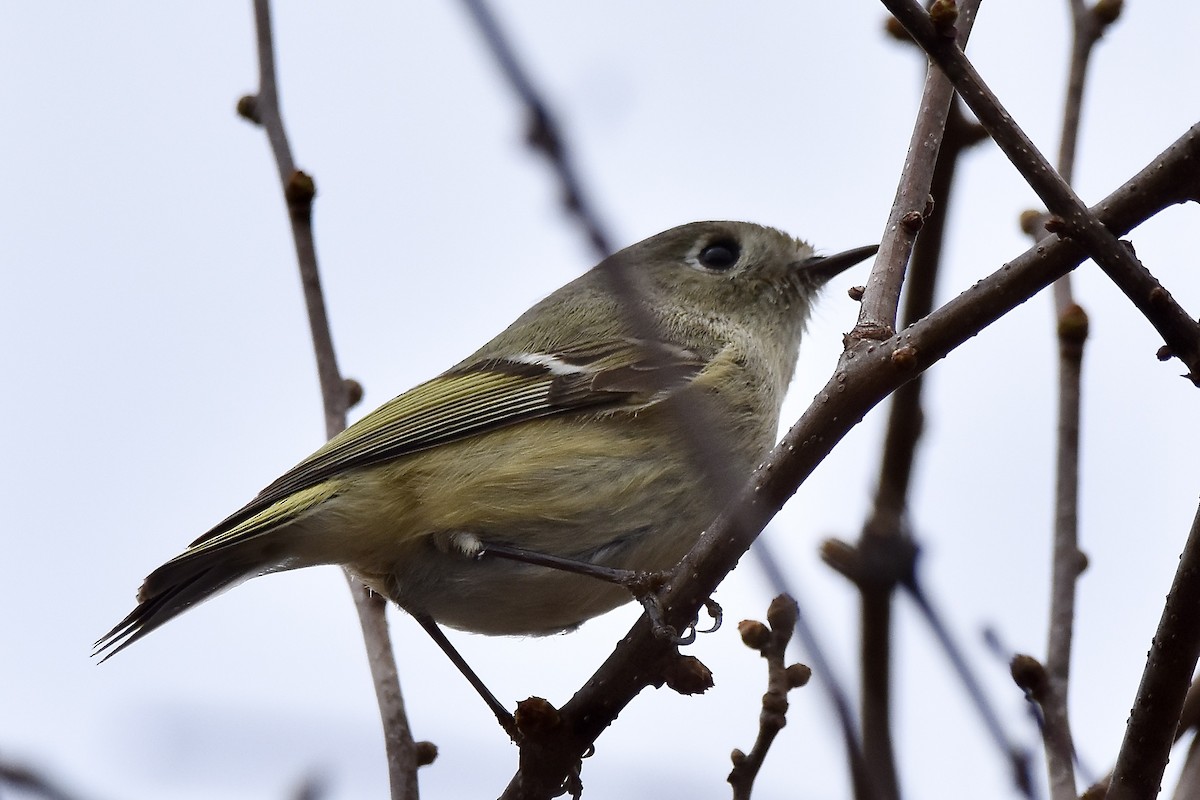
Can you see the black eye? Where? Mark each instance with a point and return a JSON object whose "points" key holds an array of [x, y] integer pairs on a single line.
{"points": [[720, 255]]}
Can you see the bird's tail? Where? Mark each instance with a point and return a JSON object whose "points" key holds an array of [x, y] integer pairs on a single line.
{"points": [[242, 547]]}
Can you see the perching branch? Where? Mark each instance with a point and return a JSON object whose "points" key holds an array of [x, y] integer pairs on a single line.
{"points": [[299, 190], [866, 374]]}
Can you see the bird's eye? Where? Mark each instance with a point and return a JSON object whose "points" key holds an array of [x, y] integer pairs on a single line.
{"points": [[720, 255]]}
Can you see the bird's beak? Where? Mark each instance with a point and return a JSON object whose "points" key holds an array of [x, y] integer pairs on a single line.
{"points": [[821, 268]]}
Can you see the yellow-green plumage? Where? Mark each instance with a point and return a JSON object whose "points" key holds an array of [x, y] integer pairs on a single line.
{"points": [[563, 436]]}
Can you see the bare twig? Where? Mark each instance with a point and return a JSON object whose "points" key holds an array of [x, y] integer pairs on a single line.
{"points": [[1189, 718], [1029, 674], [299, 191], [28, 782], [1067, 562], [860, 775], [543, 134], [1088, 24], [881, 299], [866, 374], [1072, 219], [1019, 760], [884, 552], [771, 641], [1174, 650]]}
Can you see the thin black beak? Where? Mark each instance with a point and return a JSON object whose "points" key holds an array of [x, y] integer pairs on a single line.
{"points": [[822, 268]]}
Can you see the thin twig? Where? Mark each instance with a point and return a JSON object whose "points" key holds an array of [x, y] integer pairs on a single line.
{"points": [[883, 534], [881, 298], [1072, 328], [1029, 674], [1072, 219], [299, 191], [860, 775], [28, 782], [543, 134], [866, 374], [771, 641], [1067, 562], [1174, 650], [1019, 761]]}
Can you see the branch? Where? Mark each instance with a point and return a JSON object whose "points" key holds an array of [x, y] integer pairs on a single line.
{"points": [[1067, 561], [1029, 674], [299, 191], [771, 642], [1189, 718], [882, 535], [543, 133], [881, 299], [1087, 25], [1072, 220], [866, 374], [1174, 651], [860, 774], [27, 782]]}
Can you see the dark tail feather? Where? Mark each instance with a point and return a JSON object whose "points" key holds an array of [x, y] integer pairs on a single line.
{"points": [[169, 591]]}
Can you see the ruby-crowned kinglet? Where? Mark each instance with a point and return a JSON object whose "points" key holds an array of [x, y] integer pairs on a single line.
{"points": [[561, 436]]}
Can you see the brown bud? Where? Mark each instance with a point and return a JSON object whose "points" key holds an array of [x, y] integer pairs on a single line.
{"points": [[1056, 225], [1107, 11], [773, 703], [427, 753], [843, 557], [301, 188], [856, 293], [247, 108], [1073, 324], [754, 634], [354, 392], [536, 715], [1031, 222], [798, 675], [782, 614], [912, 221], [896, 30], [688, 675], [944, 13], [737, 757], [1029, 674]]}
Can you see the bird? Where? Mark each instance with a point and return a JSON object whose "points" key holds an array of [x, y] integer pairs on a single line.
{"points": [[564, 437]]}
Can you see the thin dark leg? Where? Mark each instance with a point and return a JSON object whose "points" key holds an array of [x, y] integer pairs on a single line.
{"points": [[635, 581], [502, 714], [641, 584]]}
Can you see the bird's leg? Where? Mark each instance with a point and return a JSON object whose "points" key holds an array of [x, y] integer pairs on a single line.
{"points": [[502, 714], [638, 582], [641, 584]]}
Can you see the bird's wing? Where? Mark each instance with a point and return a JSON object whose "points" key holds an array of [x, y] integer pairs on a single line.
{"points": [[481, 396]]}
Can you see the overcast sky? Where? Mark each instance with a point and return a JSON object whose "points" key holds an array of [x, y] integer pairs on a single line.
{"points": [[159, 371]]}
